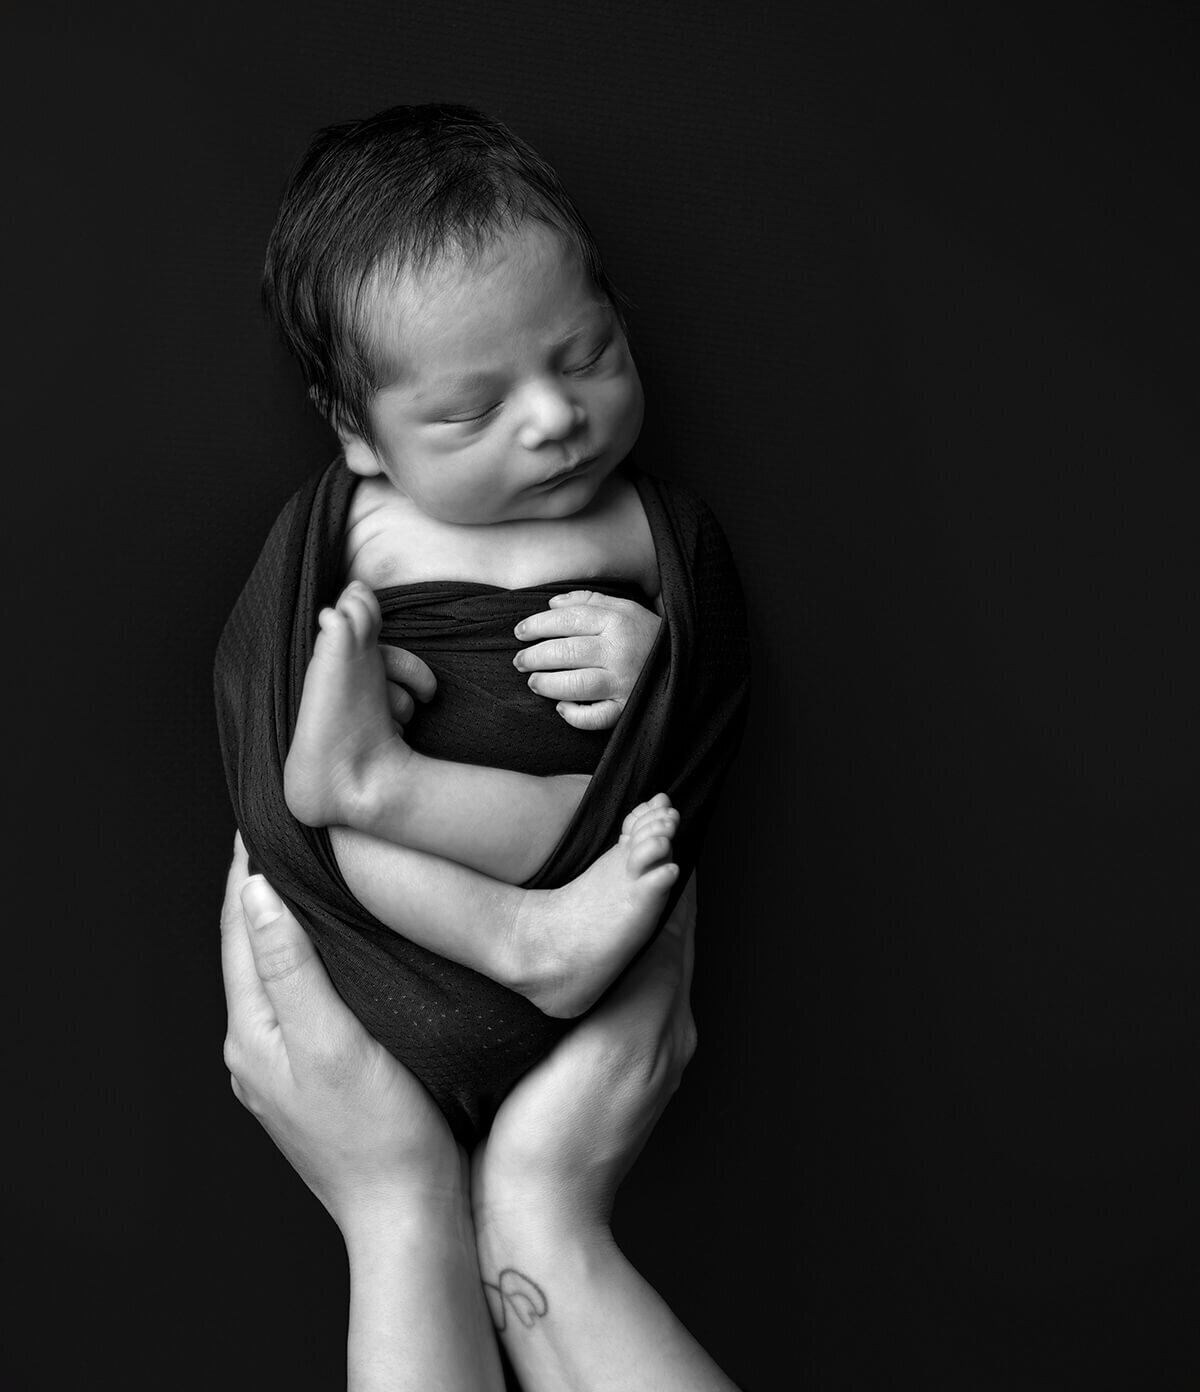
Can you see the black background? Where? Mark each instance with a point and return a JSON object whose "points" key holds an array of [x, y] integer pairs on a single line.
{"points": [[916, 306]]}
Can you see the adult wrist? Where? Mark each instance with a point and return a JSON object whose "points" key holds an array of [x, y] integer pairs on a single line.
{"points": [[538, 1223], [403, 1215]]}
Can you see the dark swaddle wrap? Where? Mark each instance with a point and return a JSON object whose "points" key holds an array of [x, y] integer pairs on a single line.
{"points": [[484, 711], [467, 1038]]}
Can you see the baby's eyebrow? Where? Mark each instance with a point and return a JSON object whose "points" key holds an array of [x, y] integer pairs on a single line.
{"points": [[462, 385]]}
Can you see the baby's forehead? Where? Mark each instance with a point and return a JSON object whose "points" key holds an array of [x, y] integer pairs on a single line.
{"points": [[433, 283], [452, 311]]}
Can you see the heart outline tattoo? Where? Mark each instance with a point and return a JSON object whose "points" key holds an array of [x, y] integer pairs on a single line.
{"points": [[514, 1290]]}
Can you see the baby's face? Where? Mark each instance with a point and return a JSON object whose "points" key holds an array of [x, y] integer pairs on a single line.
{"points": [[516, 395]]}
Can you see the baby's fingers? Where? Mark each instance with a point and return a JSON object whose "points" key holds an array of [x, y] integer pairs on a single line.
{"points": [[560, 654], [562, 622], [400, 703], [579, 597], [408, 670], [579, 684], [596, 715]]}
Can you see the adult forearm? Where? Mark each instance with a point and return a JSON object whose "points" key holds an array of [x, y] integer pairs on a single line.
{"points": [[574, 1316], [418, 1318]]}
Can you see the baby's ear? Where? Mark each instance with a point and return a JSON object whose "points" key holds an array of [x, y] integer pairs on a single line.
{"points": [[360, 457]]}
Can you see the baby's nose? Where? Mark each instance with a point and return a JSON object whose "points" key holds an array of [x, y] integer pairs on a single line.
{"points": [[551, 414]]}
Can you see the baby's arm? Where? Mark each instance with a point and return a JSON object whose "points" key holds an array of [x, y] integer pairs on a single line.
{"points": [[350, 766], [595, 648]]}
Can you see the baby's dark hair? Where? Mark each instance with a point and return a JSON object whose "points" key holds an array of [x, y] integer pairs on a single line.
{"points": [[395, 191]]}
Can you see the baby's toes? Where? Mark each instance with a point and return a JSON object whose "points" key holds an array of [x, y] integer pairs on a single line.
{"points": [[652, 813], [654, 825], [648, 853], [361, 610], [631, 819], [336, 637]]}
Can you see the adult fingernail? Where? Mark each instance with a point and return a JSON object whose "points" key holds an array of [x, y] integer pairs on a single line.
{"points": [[261, 903]]}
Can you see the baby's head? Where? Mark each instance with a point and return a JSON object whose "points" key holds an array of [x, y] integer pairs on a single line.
{"points": [[448, 307]]}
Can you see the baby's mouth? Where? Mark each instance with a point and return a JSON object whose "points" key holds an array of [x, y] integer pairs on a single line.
{"points": [[568, 471]]}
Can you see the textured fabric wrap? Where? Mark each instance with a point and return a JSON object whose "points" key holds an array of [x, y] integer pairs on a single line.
{"points": [[465, 1037]]}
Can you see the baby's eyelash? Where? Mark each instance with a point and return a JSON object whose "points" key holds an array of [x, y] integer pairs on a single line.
{"points": [[588, 363], [471, 420], [594, 358]]}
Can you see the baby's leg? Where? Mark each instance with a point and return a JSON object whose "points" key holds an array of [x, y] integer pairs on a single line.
{"points": [[349, 766], [560, 948]]}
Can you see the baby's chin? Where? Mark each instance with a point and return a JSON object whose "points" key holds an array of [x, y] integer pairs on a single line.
{"points": [[571, 495]]}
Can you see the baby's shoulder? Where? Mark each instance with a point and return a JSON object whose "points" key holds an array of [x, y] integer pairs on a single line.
{"points": [[385, 537]]}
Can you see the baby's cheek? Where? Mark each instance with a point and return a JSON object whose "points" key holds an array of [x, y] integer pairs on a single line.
{"points": [[627, 408]]}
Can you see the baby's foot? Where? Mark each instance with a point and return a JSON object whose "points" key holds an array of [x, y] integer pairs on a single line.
{"points": [[345, 749], [578, 938]]}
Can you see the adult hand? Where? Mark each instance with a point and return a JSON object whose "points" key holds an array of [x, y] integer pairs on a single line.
{"points": [[595, 646], [570, 1308], [569, 1131], [368, 1141], [354, 1123]]}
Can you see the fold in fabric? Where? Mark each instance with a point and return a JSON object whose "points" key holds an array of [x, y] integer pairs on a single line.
{"points": [[465, 1037]]}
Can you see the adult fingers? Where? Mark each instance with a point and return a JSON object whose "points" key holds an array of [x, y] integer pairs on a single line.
{"points": [[245, 1001], [310, 1013], [645, 998], [682, 921], [407, 669], [563, 621], [682, 924], [231, 907], [581, 684], [594, 715], [660, 1000]]}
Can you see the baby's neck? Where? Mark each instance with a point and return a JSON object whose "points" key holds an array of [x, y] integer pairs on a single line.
{"points": [[389, 541]]}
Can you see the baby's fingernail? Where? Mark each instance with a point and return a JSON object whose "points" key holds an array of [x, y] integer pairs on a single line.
{"points": [[520, 629], [517, 659], [260, 902]]}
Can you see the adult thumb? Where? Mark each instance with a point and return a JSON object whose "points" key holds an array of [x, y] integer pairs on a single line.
{"points": [[291, 973]]}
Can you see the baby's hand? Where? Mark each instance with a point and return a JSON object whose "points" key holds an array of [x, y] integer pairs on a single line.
{"points": [[407, 676], [596, 647]]}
